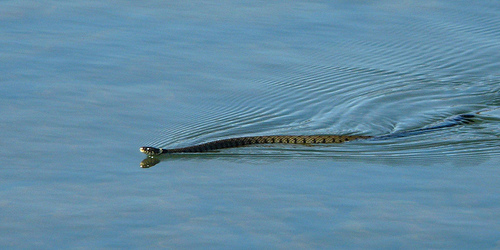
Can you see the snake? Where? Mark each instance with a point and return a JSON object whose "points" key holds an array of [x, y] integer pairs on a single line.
{"points": [[300, 139]]}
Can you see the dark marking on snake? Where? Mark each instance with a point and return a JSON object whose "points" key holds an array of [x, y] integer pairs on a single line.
{"points": [[301, 139]]}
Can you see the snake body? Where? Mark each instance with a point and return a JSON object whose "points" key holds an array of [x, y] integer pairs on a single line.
{"points": [[251, 140], [298, 139]]}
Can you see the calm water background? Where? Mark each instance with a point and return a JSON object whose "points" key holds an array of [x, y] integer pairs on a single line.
{"points": [[84, 84]]}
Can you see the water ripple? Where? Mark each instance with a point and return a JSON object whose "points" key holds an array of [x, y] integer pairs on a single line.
{"points": [[426, 69], [356, 101]]}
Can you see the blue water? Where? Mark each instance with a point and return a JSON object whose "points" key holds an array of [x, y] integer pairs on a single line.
{"points": [[84, 84]]}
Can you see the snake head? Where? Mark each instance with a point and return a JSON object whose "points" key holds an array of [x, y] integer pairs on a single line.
{"points": [[151, 151]]}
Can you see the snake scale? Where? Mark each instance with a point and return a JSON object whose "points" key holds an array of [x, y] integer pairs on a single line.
{"points": [[299, 139]]}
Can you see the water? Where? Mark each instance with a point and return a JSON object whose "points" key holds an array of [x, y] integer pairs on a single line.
{"points": [[85, 84]]}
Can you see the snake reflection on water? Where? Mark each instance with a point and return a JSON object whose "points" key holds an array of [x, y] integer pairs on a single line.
{"points": [[300, 139]]}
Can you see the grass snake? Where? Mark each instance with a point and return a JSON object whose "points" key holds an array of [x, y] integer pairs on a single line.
{"points": [[300, 139]]}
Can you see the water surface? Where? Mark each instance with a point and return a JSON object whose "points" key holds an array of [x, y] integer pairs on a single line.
{"points": [[85, 84]]}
